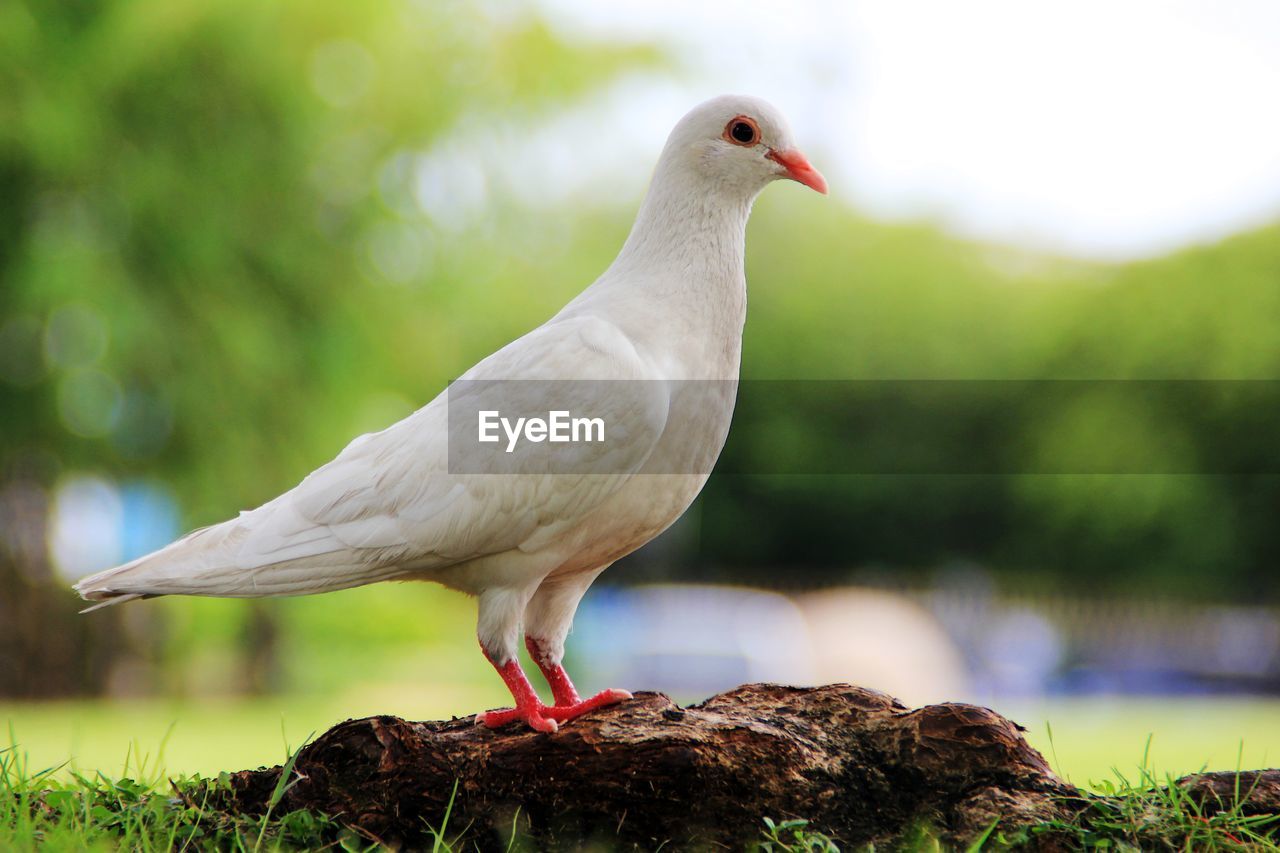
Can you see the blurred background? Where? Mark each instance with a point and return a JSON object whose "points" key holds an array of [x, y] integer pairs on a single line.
{"points": [[233, 235]]}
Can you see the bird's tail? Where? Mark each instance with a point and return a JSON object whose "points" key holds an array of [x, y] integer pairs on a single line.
{"points": [[116, 598], [209, 562], [155, 574]]}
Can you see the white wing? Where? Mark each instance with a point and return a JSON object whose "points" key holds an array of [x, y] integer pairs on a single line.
{"points": [[389, 504]]}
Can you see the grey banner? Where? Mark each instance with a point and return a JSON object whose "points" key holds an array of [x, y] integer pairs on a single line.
{"points": [[880, 427]]}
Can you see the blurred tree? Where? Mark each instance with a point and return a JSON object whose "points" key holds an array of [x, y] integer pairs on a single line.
{"points": [[209, 239], [1173, 375]]}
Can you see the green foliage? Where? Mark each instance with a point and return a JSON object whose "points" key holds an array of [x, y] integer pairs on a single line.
{"points": [[199, 187], [834, 297], [794, 836]]}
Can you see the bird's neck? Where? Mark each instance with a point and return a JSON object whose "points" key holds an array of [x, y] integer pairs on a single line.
{"points": [[678, 285], [689, 235]]}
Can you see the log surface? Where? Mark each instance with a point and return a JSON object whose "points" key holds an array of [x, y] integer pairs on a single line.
{"points": [[857, 764]]}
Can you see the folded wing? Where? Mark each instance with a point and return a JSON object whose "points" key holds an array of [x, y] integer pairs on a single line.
{"points": [[394, 503]]}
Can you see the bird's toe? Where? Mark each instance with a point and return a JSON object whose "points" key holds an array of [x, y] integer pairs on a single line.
{"points": [[542, 724], [533, 717], [493, 719], [602, 699]]}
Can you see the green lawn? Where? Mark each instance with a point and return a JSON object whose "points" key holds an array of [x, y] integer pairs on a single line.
{"points": [[1090, 737], [208, 736]]}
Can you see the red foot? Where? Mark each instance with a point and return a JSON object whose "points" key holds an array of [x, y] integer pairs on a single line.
{"points": [[529, 708], [603, 699], [545, 717], [533, 716]]}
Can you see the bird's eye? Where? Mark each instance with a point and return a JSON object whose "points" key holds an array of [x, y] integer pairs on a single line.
{"points": [[742, 130]]}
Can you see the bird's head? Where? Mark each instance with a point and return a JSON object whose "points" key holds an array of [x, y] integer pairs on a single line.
{"points": [[742, 142]]}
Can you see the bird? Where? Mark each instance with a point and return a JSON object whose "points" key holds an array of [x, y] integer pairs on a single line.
{"points": [[666, 316]]}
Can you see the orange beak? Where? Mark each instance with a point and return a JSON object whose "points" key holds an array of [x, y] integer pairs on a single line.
{"points": [[799, 169]]}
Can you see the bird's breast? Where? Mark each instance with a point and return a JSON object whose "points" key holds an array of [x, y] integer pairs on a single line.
{"points": [[652, 499]]}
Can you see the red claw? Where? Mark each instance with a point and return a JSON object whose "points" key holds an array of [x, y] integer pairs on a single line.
{"points": [[532, 716], [529, 709], [545, 718]]}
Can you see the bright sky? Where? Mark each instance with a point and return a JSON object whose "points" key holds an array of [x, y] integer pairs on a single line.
{"points": [[1103, 129]]}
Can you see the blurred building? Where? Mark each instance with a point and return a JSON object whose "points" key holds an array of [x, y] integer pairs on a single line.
{"points": [[941, 644]]}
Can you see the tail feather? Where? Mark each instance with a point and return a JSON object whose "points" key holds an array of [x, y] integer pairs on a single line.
{"points": [[129, 581], [112, 600], [206, 563]]}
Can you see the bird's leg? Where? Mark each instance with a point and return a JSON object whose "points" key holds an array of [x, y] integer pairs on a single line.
{"points": [[568, 703], [498, 631], [548, 612], [561, 686], [528, 707]]}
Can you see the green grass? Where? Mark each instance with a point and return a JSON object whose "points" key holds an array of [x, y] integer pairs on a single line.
{"points": [[1150, 814], [794, 836], [142, 809]]}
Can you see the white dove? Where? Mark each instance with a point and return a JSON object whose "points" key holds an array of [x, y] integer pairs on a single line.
{"points": [[528, 543]]}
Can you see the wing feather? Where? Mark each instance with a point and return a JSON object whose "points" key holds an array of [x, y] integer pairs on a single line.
{"points": [[388, 503]]}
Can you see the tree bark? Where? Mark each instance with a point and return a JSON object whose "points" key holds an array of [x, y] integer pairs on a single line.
{"points": [[855, 763], [858, 765]]}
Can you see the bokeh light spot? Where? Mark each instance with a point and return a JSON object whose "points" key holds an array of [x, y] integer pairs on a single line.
{"points": [[150, 520], [89, 402], [451, 186], [75, 337], [396, 251], [85, 526], [144, 425], [342, 72]]}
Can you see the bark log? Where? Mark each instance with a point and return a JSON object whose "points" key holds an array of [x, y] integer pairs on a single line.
{"points": [[858, 765], [855, 763], [1256, 791]]}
